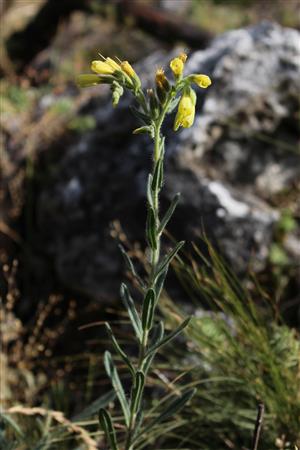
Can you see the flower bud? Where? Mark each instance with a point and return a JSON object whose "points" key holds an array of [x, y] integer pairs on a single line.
{"points": [[130, 72], [154, 105], [177, 66], [102, 68], [113, 64], [161, 80], [88, 80], [128, 69], [183, 57], [186, 110], [117, 92], [202, 81], [162, 85]]}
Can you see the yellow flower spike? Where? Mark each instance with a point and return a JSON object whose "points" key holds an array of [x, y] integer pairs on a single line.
{"points": [[186, 110], [102, 68], [202, 81], [177, 66], [128, 69]]}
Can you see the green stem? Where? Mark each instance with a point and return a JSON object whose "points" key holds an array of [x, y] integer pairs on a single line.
{"points": [[155, 255]]}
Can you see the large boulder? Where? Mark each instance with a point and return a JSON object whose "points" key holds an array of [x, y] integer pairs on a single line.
{"points": [[241, 150]]}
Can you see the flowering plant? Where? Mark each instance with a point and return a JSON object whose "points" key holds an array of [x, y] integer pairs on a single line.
{"points": [[152, 110]]}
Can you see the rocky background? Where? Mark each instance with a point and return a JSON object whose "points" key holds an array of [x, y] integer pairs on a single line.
{"points": [[236, 169], [73, 175]]}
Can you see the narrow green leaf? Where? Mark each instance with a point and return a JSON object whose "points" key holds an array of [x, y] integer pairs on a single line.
{"points": [[157, 332], [162, 146], [112, 372], [151, 229], [173, 104], [107, 426], [137, 392], [145, 129], [118, 349], [158, 175], [93, 408], [155, 337], [168, 258], [130, 266], [13, 424], [169, 213], [169, 337], [149, 191], [132, 312], [175, 406], [159, 282], [171, 409], [141, 116], [138, 422], [148, 309]]}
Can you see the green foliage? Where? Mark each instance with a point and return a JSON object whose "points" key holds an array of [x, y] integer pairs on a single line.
{"points": [[287, 223], [14, 99], [81, 124], [18, 97], [62, 106], [278, 255], [240, 354]]}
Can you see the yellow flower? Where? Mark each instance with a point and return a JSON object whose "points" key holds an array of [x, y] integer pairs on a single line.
{"points": [[186, 110], [177, 66], [113, 64], [106, 67], [128, 69], [102, 68], [88, 80], [202, 81], [183, 57]]}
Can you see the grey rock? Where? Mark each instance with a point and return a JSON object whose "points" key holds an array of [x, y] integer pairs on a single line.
{"points": [[242, 149]]}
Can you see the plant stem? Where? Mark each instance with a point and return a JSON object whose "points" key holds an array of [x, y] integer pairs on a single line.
{"points": [[154, 258]]}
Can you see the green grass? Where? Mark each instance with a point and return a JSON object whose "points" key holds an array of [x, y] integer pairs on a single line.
{"points": [[240, 353]]}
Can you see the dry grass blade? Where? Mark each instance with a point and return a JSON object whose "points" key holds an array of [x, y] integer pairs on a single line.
{"points": [[58, 416]]}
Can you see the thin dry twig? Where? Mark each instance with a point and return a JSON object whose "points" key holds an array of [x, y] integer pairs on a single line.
{"points": [[258, 425]]}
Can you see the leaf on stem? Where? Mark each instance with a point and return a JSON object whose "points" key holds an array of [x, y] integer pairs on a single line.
{"points": [[112, 372], [171, 409], [156, 336], [169, 213], [149, 191], [148, 310], [139, 115], [168, 258], [130, 266], [118, 349], [151, 228], [137, 391], [159, 281], [169, 337], [145, 129], [173, 105], [132, 312], [93, 408], [157, 180], [107, 426]]}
